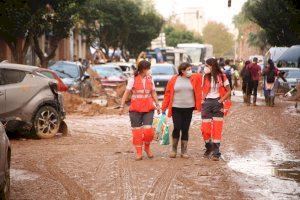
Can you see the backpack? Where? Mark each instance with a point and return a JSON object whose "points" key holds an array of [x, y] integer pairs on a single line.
{"points": [[228, 72]]}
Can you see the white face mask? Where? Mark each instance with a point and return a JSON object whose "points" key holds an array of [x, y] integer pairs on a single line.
{"points": [[189, 73], [207, 70]]}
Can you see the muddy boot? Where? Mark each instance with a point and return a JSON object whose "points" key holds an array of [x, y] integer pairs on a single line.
{"points": [[209, 149], [148, 151], [248, 98], [173, 154], [184, 144], [254, 100], [245, 98], [267, 99], [216, 152], [272, 101]]}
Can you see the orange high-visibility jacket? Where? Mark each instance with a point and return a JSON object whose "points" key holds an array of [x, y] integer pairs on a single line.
{"points": [[141, 99], [222, 90], [196, 80]]}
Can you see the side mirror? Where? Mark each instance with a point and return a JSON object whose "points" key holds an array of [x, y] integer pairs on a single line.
{"points": [[85, 76]]}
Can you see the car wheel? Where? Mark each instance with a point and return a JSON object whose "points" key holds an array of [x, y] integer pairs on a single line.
{"points": [[5, 191], [46, 122]]}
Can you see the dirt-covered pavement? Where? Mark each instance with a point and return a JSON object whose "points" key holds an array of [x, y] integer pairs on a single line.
{"points": [[261, 160]]}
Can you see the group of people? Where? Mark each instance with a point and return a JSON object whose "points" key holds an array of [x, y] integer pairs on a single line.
{"points": [[208, 93], [251, 74]]}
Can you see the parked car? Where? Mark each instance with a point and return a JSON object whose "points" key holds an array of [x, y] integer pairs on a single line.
{"points": [[52, 74], [74, 77], [127, 68], [161, 74], [290, 58], [110, 74], [31, 100], [5, 155], [292, 76]]}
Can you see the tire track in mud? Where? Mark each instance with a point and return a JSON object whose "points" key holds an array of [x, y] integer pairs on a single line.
{"points": [[161, 185], [74, 190]]}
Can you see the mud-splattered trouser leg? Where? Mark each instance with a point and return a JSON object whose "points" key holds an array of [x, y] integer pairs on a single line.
{"points": [[142, 131], [212, 125]]}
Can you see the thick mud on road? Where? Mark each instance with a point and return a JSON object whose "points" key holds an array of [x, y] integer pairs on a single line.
{"points": [[260, 149]]}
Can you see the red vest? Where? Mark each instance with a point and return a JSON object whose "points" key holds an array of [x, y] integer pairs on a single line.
{"points": [[222, 91], [141, 99]]}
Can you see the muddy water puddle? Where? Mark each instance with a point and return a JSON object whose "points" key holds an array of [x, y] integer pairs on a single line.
{"points": [[287, 170], [268, 172]]}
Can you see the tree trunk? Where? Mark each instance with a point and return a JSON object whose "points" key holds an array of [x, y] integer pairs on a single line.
{"points": [[45, 59], [19, 49]]}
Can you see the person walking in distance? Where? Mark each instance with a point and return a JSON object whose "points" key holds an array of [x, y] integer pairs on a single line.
{"points": [[142, 107], [183, 95], [255, 71], [216, 92], [246, 76]]}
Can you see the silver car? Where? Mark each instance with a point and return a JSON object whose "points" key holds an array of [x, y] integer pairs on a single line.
{"points": [[29, 100], [5, 153]]}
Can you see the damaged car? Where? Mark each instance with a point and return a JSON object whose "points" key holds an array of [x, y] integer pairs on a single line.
{"points": [[30, 101], [74, 77]]}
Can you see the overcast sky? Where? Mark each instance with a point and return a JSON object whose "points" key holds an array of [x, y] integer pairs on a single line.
{"points": [[215, 10]]}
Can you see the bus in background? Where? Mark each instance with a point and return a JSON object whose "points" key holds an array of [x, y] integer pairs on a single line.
{"points": [[197, 52], [176, 56]]}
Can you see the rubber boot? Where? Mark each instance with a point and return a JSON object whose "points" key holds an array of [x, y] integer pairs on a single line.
{"points": [[137, 140], [248, 98], [209, 149], [173, 154], [254, 100], [272, 101], [245, 98], [184, 144], [216, 152], [148, 137]]}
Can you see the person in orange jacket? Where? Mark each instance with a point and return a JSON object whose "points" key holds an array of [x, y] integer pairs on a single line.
{"points": [[216, 94], [142, 107], [183, 95]]}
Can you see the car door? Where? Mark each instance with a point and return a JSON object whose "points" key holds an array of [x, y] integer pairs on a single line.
{"points": [[2, 94]]}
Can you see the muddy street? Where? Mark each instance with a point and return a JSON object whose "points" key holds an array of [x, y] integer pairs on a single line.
{"points": [[261, 160]]}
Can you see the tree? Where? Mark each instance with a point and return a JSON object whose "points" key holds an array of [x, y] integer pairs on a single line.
{"points": [[54, 19], [254, 35], [120, 23], [217, 35], [25, 21], [279, 18], [259, 40], [14, 22], [178, 33]]}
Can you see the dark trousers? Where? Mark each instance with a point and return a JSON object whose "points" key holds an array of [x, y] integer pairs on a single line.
{"points": [[182, 118], [253, 85]]}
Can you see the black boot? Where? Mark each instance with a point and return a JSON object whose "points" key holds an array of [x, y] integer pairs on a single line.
{"points": [[209, 149], [216, 152], [272, 101], [254, 100]]}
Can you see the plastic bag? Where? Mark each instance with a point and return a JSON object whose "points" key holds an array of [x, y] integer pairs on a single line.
{"points": [[162, 130]]}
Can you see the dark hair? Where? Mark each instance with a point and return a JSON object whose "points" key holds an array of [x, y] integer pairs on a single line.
{"points": [[227, 62], [247, 63], [255, 59], [183, 66], [215, 71], [143, 64], [272, 65]]}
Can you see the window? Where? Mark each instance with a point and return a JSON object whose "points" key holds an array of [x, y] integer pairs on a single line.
{"points": [[48, 74], [11, 76]]}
